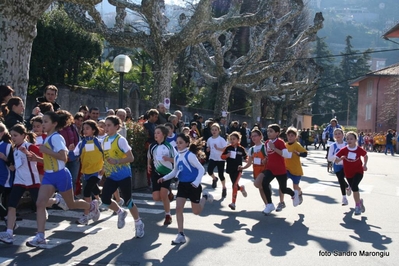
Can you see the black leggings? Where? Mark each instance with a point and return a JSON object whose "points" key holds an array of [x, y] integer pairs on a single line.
{"points": [[341, 180], [282, 182], [355, 181], [91, 187], [220, 165], [110, 186]]}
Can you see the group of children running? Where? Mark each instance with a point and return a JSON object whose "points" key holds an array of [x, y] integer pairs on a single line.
{"points": [[40, 169]]}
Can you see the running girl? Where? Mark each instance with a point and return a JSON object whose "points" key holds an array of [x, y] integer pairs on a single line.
{"points": [[276, 151], [258, 159], [293, 164], [91, 159], [160, 158], [215, 146], [338, 167], [118, 156], [353, 167], [234, 154], [189, 171], [56, 176], [6, 161]]}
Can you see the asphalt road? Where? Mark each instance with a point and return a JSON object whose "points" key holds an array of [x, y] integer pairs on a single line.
{"points": [[318, 232]]}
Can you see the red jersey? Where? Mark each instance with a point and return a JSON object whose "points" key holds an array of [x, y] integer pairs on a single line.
{"points": [[276, 162], [352, 163]]}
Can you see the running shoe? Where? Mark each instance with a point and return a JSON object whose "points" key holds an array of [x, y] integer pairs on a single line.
{"points": [[348, 191], [168, 220], [280, 206], [95, 212], [214, 182], [37, 242], [362, 208], [344, 201], [84, 220], [139, 230], [6, 238], [121, 219], [358, 211], [269, 208], [224, 193], [121, 202], [180, 239], [207, 196], [243, 191], [232, 206], [61, 202]]}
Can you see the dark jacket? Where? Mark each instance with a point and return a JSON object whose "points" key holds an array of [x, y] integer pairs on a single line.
{"points": [[56, 106], [12, 119]]}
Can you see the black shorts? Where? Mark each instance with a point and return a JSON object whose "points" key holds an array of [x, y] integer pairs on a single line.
{"points": [[187, 191], [18, 191], [157, 186]]}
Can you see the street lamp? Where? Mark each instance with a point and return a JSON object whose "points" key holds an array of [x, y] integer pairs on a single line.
{"points": [[122, 64]]}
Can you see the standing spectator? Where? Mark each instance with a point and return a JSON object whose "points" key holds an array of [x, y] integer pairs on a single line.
{"points": [[243, 131], [50, 95], [174, 121], [162, 114], [13, 112], [129, 115], [150, 124], [234, 127], [121, 113], [6, 92], [180, 123], [223, 127], [78, 121], [94, 113], [85, 110], [193, 130], [389, 142]]}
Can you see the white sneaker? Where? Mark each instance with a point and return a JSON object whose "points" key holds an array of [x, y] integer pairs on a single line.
{"points": [[358, 211], [121, 219], [83, 220], [344, 201], [207, 196], [362, 208], [139, 230], [295, 199], [348, 191], [95, 212], [37, 242], [6, 238], [269, 208], [180, 239], [243, 191], [61, 202]]}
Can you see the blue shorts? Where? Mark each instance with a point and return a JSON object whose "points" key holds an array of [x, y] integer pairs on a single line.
{"points": [[61, 180], [295, 178]]}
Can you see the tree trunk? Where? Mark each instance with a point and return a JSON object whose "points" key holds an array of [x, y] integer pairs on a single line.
{"points": [[222, 99], [18, 21], [163, 74], [256, 108]]}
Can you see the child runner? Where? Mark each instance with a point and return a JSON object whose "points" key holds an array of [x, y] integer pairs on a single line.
{"points": [[118, 156], [37, 128], [234, 154], [189, 171], [338, 167], [276, 151], [160, 162], [91, 159], [215, 146], [353, 167], [171, 137], [26, 177], [6, 161], [293, 164], [258, 159], [56, 176]]}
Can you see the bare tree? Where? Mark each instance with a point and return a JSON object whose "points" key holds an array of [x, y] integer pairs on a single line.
{"points": [[270, 65], [164, 46], [18, 21]]}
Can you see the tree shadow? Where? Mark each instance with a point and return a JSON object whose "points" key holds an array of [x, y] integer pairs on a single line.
{"points": [[364, 232], [282, 236]]}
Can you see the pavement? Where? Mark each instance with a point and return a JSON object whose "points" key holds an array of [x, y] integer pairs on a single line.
{"points": [[320, 231]]}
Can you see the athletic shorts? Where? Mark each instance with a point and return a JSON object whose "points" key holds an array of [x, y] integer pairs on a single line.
{"points": [[61, 180], [295, 178]]}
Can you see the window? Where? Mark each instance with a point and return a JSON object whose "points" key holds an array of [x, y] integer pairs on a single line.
{"points": [[368, 112], [369, 88]]}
